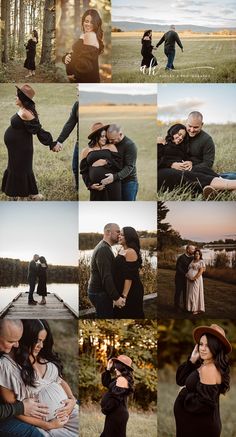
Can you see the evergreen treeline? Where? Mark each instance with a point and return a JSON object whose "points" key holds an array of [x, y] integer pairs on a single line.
{"points": [[88, 240], [14, 272]]}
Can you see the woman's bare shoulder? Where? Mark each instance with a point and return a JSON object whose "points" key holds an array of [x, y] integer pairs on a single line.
{"points": [[122, 382], [25, 114], [130, 255], [85, 152], [210, 374], [90, 38]]}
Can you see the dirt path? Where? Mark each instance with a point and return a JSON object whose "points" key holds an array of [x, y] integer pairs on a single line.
{"points": [[14, 72], [220, 298]]}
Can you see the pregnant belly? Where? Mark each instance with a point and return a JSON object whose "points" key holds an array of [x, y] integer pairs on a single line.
{"points": [[96, 174], [52, 395], [191, 273]]}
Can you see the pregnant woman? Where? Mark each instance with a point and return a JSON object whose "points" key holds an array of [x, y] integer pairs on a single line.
{"points": [[114, 402], [146, 52], [195, 291], [97, 159], [42, 279], [126, 275], [18, 179], [35, 370], [82, 63], [203, 378], [31, 53]]}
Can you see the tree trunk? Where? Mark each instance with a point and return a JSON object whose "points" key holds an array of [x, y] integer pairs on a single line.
{"points": [[77, 17], [5, 15], [21, 39], [48, 32], [15, 26]]}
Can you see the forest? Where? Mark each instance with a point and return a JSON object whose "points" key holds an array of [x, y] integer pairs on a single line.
{"points": [[14, 272]]}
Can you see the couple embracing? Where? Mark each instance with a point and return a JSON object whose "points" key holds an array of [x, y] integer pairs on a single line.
{"points": [[108, 164], [115, 288]]}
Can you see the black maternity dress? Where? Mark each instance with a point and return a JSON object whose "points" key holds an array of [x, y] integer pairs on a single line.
{"points": [[30, 55], [84, 63], [123, 270], [42, 282], [18, 178], [170, 178], [197, 405], [146, 52], [93, 175], [114, 406]]}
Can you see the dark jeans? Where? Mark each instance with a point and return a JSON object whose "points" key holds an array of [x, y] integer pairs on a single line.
{"points": [[170, 59], [230, 175], [180, 289], [16, 428], [32, 283], [75, 164], [129, 190], [103, 304]]}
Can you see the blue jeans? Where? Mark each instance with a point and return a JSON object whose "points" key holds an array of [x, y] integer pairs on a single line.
{"points": [[129, 190], [16, 428], [170, 59], [75, 164], [103, 304], [231, 175]]}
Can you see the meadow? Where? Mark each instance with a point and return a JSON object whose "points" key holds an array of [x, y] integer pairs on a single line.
{"points": [[53, 171], [138, 123], [206, 59], [140, 423], [167, 393], [224, 138]]}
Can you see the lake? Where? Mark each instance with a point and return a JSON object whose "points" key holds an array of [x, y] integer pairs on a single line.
{"points": [[68, 292], [209, 255], [86, 254]]}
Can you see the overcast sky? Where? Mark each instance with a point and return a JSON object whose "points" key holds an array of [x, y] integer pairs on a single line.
{"points": [[47, 228], [210, 13], [120, 88], [203, 221]]}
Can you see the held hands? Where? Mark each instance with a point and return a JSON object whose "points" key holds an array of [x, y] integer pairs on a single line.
{"points": [[195, 354], [185, 165], [34, 409], [120, 303], [108, 180], [57, 147]]}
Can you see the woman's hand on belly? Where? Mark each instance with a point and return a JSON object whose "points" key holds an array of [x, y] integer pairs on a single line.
{"points": [[97, 187], [99, 163], [67, 408], [56, 423]]}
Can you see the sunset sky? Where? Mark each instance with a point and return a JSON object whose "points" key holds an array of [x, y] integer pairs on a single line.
{"points": [[203, 221], [210, 13], [47, 228]]}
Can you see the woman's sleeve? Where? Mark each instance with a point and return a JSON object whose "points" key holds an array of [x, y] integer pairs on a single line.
{"points": [[106, 378], [9, 379], [82, 62], [184, 371], [84, 171], [203, 400]]}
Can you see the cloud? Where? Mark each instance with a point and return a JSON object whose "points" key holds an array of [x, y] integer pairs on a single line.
{"points": [[180, 108]]}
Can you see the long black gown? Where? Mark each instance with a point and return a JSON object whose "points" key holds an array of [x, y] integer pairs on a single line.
{"points": [[42, 281], [196, 407], [93, 175], [123, 270], [84, 63], [146, 52], [114, 406], [18, 178], [30, 54]]}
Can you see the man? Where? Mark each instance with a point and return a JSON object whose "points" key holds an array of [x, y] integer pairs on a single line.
{"points": [[182, 265], [101, 288], [202, 154], [32, 276], [10, 334], [170, 38], [66, 131], [128, 174]]}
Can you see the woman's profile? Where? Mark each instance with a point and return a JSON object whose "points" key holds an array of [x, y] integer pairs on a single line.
{"points": [[149, 60], [203, 378], [42, 279]]}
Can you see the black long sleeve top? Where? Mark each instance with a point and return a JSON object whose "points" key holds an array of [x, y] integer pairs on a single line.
{"points": [[70, 124], [128, 152], [170, 38]]}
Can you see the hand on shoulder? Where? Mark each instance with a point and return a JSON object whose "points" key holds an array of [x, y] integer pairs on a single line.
{"points": [[25, 114], [90, 38], [122, 382], [131, 255]]}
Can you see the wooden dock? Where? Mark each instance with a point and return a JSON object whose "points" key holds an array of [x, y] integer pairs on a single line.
{"points": [[55, 308]]}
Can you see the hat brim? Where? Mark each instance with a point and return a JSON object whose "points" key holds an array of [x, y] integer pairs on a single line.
{"points": [[105, 127], [201, 330], [115, 359], [28, 98]]}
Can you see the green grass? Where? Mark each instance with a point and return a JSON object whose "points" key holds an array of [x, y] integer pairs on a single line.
{"points": [[139, 424], [223, 137], [167, 393], [198, 54], [140, 126], [52, 170]]}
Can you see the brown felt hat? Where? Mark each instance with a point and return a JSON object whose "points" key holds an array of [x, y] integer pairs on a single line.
{"points": [[96, 127], [215, 330], [27, 90], [124, 360]]}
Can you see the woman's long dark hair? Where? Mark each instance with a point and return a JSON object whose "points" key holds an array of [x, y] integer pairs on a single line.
{"points": [[126, 373], [97, 26], [221, 360], [35, 33], [27, 103], [42, 260], [132, 241], [26, 345], [174, 130], [95, 138], [146, 33], [197, 251]]}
